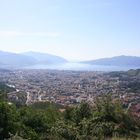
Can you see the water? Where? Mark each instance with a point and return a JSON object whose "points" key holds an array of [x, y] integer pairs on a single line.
{"points": [[82, 67]]}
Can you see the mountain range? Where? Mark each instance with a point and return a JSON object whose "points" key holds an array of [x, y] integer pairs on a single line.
{"points": [[45, 58], [19, 60], [8, 59], [116, 61]]}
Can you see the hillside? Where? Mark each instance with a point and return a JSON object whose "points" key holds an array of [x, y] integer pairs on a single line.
{"points": [[14, 60], [8, 59], [82, 122], [45, 58], [116, 61]]}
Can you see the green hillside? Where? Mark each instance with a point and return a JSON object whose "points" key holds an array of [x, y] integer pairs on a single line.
{"points": [[103, 121]]}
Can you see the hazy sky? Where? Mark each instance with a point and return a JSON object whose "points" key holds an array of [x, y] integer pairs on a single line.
{"points": [[74, 29]]}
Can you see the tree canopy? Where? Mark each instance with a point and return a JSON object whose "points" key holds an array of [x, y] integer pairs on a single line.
{"points": [[103, 120]]}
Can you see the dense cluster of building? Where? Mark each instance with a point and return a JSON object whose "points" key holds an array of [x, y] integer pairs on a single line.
{"points": [[70, 87]]}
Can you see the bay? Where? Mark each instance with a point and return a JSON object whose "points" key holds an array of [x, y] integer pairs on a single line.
{"points": [[81, 67]]}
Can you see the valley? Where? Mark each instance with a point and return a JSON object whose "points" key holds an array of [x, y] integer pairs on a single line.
{"points": [[72, 87]]}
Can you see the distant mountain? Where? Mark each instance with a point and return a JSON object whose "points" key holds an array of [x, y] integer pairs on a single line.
{"points": [[2, 70], [45, 58], [14, 60], [116, 61], [8, 59]]}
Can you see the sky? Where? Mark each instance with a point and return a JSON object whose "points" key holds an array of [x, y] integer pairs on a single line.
{"points": [[73, 29]]}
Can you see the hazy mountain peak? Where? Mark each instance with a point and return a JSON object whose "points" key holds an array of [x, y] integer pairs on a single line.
{"points": [[45, 58], [121, 60], [9, 59], [14, 59]]}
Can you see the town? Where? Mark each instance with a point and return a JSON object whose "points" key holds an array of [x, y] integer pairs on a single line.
{"points": [[72, 87]]}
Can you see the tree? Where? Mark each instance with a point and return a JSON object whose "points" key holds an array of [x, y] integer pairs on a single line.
{"points": [[82, 111], [8, 120]]}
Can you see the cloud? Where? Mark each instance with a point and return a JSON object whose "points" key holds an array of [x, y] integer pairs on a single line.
{"points": [[29, 34]]}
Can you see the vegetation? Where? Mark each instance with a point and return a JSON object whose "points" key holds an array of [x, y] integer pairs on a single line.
{"points": [[104, 120], [3, 90]]}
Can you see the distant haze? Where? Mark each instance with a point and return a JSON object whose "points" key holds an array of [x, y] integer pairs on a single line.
{"points": [[72, 29], [37, 60]]}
